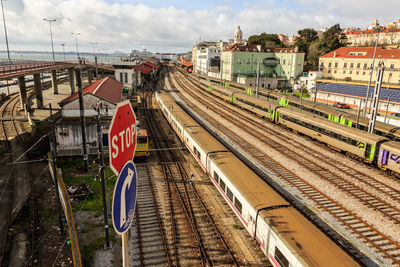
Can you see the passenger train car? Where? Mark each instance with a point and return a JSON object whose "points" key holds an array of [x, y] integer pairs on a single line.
{"points": [[351, 141], [284, 235], [330, 113]]}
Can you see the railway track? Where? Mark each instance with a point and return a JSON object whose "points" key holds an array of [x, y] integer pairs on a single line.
{"points": [[381, 243], [11, 134], [193, 237]]}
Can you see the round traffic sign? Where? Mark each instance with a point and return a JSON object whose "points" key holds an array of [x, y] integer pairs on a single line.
{"points": [[122, 136], [124, 198]]}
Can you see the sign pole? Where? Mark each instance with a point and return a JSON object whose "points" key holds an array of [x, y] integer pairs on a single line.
{"points": [[125, 250]]}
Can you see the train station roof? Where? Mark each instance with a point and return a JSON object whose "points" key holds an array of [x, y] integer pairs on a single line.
{"points": [[358, 91], [106, 88]]}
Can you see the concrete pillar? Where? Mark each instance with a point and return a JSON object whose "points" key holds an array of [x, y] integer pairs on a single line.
{"points": [[71, 80], [22, 91], [38, 90], [90, 76], [76, 77], [54, 81]]}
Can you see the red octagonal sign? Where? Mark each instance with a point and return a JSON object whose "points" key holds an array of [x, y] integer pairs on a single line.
{"points": [[122, 136]]}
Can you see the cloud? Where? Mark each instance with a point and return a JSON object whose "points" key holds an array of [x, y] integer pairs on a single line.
{"points": [[122, 26]]}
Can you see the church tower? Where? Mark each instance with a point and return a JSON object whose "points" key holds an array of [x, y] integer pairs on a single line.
{"points": [[238, 36]]}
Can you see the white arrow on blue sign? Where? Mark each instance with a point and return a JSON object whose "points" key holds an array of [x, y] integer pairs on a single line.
{"points": [[124, 200]]}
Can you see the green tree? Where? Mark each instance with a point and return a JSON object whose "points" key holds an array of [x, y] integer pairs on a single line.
{"points": [[332, 39], [305, 38], [270, 40]]}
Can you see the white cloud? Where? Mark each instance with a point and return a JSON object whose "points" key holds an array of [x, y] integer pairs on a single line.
{"points": [[123, 26]]}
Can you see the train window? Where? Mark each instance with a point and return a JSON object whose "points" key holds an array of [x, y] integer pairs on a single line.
{"points": [[222, 184], [229, 194], [238, 205], [216, 177], [280, 258]]}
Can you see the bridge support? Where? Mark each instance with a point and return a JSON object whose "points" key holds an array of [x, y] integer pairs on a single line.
{"points": [[71, 80], [22, 91], [54, 81], [90, 75], [76, 76], [38, 90]]}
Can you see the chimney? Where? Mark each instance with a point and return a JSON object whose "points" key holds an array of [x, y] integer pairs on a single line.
{"points": [[334, 53], [259, 48], [296, 49]]}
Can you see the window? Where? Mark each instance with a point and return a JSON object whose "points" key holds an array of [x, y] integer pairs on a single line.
{"points": [[280, 258], [351, 72], [392, 66], [248, 61], [330, 64], [358, 65], [229, 194], [345, 65], [335, 71], [216, 177], [390, 74], [351, 65], [336, 64], [238, 205], [284, 62], [363, 72], [329, 71], [255, 61], [344, 72], [126, 77], [121, 77], [357, 72], [222, 185], [239, 61], [365, 65]]}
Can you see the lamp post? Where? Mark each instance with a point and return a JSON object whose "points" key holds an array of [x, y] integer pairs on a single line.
{"points": [[5, 30], [51, 36], [377, 29], [94, 49], [76, 42], [95, 59], [63, 46]]}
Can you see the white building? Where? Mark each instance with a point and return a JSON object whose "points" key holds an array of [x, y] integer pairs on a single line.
{"points": [[208, 60], [126, 75]]}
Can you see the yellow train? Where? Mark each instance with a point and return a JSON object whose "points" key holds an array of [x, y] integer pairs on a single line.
{"points": [[142, 144]]}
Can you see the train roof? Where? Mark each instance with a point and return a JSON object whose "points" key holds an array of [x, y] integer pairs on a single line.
{"points": [[392, 146], [331, 126], [310, 244], [141, 132]]}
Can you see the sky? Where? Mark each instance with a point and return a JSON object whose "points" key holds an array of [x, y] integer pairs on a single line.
{"points": [[174, 26]]}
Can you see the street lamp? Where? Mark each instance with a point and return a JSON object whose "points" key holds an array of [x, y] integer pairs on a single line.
{"points": [[94, 49], [63, 45], [377, 28], [5, 30], [76, 42], [51, 36]]}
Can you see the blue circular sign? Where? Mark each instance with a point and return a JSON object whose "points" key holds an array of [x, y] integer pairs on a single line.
{"points": [[124, 199]]}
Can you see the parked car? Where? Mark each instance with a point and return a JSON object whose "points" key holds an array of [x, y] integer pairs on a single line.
{"points": [[341, 105], [2, 84], [395, 114]]}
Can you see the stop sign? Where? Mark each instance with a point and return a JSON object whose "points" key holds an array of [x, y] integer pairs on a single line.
{"points": [[122, 136]]}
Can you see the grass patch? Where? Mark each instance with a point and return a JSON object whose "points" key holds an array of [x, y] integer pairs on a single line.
{"points": [[237, 226], [90, 249]]}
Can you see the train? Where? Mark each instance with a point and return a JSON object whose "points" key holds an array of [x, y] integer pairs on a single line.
{"points": [[142, 144], [330, 113], [373, 149], [284, 235]]}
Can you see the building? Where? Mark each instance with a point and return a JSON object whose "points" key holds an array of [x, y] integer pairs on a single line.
{"points": [[208, 60], [167, 57], [106, 92], [125, 74], [237, 37], [279, 67], [354, 63], [388, 36], [198, 47]]}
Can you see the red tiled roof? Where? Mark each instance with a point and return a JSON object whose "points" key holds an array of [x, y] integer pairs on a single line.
{"points": [[186, 63], [106, 88], [151, 65], [386, 30], [344, 52], [145, 69]]}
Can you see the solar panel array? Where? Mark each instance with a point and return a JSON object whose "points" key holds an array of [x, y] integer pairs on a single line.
{"points": [[358, 90]]}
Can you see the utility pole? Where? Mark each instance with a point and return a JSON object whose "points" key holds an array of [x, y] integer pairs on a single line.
{"points": [[82, 116], [51, 36], [376, 96], [358, 113], [5, 30], [98, 108], [377, 28], [301, 98], [63, 46], [258, 78], [54, 163]]}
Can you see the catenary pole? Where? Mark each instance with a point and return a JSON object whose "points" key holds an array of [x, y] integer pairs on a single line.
{"points": [[5, 31], [51, 36], [82, 116]]}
